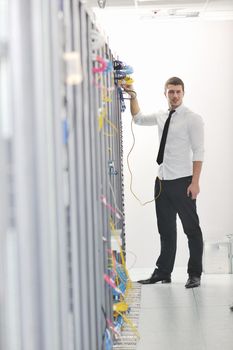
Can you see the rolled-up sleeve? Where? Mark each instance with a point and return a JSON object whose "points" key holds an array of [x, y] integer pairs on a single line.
{"points": [[196, 134], [146, 119]]}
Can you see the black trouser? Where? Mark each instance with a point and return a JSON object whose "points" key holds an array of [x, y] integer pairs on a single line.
{"points": [[173, 200]]}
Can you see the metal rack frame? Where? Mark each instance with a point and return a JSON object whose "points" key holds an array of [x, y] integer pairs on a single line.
{"points": [[53, 254]]}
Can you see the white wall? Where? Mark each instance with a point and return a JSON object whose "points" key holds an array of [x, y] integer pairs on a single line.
{"points": [[201, 53]]}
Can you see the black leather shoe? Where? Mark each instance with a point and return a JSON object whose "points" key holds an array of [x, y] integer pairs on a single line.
{"points": [[193, 281], [156, 277]]}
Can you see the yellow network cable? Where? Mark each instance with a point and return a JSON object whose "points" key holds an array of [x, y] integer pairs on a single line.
{"points": [[130, 323], [113, 230], [131, 174], [103, 118], [121, 306], [126, 81], [113, 126]]}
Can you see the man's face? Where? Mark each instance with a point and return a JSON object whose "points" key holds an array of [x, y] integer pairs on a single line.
{"points": [[174, 95]]}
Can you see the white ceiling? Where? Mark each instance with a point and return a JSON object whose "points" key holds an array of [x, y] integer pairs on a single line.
{"points": [[158, 9]]}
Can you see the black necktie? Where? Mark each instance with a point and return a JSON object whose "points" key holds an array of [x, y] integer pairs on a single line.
{"points": [[164, 138]]}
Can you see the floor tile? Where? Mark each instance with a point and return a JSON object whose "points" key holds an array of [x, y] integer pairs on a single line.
{"points": [[175, 318]]}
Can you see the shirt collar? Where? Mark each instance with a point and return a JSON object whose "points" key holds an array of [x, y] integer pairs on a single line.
{"points": [[180, 108]]}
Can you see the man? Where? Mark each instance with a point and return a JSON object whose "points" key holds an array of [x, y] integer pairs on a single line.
{"points": [[177, 185]]}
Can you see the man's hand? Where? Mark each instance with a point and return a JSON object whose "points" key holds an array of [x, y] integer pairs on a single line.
{"points": [[129, 89], [193, 190], [134, 106]]}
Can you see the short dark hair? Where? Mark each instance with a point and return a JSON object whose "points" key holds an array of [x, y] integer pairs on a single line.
{"points": [[173, 81]]}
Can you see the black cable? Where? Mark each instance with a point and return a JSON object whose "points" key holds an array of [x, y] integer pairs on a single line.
{"points": [[131, 98]]}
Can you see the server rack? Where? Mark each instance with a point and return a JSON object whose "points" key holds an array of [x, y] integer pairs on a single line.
{"points": [[56, 165]]}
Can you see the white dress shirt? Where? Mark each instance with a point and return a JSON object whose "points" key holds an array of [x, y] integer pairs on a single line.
{"points": [[185, 141]]}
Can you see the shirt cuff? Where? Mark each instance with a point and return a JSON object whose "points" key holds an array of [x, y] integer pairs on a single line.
{"points": [[137, 116], [198, 156]]}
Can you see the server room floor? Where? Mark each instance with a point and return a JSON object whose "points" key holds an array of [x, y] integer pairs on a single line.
{"points": [[175, 318]]}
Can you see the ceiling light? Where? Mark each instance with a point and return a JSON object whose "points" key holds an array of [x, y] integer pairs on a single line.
{"points": [[102, 3]]}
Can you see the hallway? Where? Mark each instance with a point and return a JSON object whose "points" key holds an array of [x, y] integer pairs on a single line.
{"points": [[173, 317], [77, 171]]}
